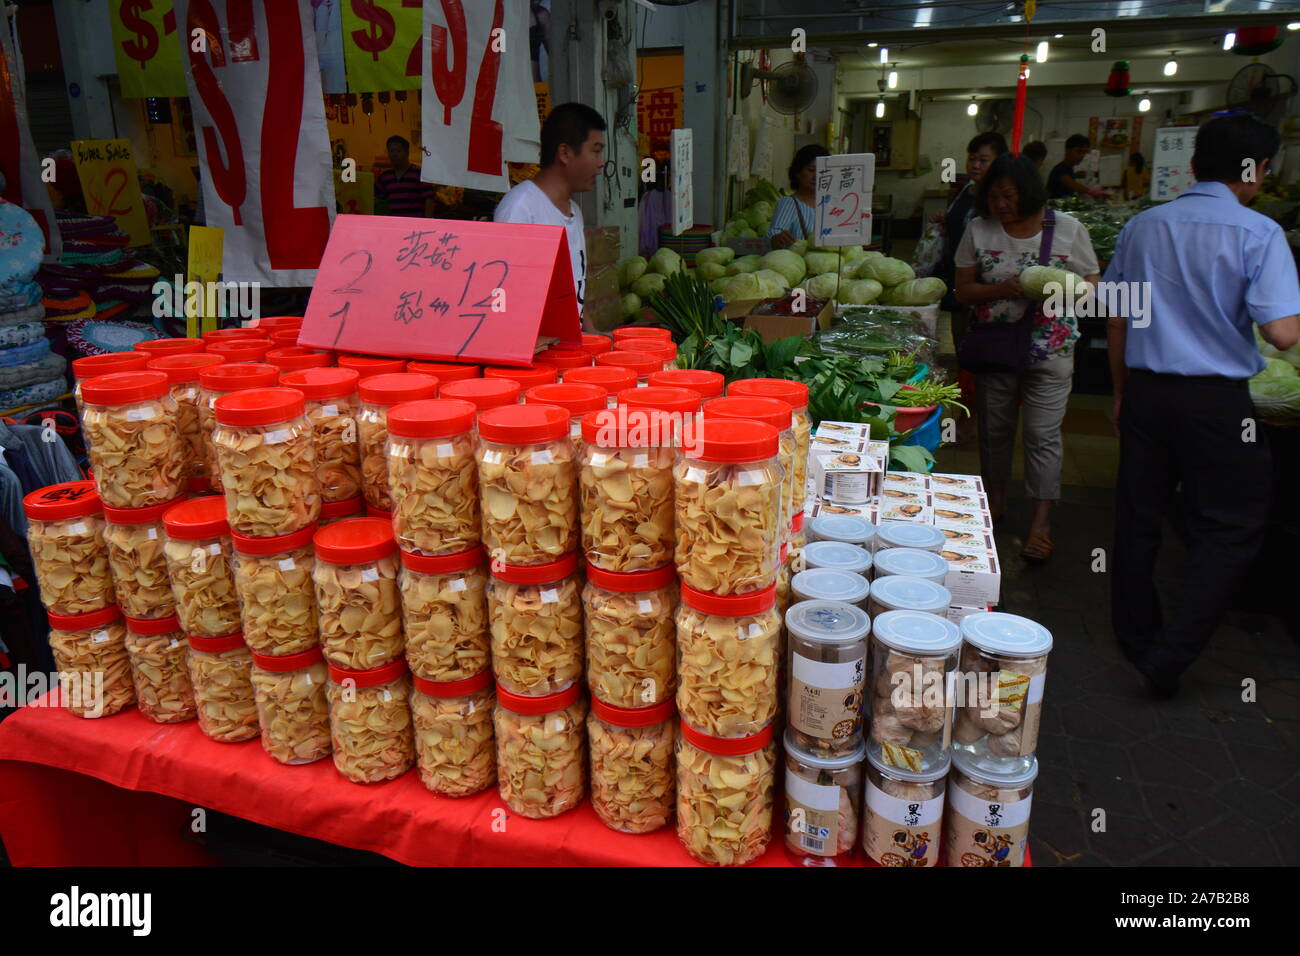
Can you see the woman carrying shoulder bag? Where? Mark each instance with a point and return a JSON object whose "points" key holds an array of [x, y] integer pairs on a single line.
{"points": [[1016, 349], [795, 217]]}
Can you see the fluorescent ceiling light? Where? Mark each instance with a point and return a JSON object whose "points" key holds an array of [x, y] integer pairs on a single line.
{"points": [[1041, 53]]}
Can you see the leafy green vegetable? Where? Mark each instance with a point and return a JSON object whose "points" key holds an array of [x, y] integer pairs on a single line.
{"points": [[909, 458], [743, 264], [888, 272], [630, 305], [1037, 282], [665, 261], [1276, 399], [631, 270], [719, 254], [710, 270], [685, 306], [915, 292], [787, 263]]}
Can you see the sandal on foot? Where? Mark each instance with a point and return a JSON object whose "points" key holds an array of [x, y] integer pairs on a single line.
{"points": [[1038, 547]]}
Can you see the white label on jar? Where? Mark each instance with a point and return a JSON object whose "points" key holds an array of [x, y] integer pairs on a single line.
{"points": [[1036, 687], [984, 833], [151, 534], [600, 459], [696, 475], [575, 429], [493, 457], [825, 698], [174, 643], [751, 476], [901, 832], [550, 596], [99, 637], [369, 574], [909, 813], [542, 456], [458, 584], [754, 630], [329, 411], [78, 527], [814, 795], [444, 449], [214, 547], [286, 564], [814, 814], [388, 695], [277, 436], [645, 607], [557, 725], [988, 813], [140, 413]]}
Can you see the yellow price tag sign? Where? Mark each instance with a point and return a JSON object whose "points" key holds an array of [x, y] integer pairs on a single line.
{"points": [[111, 185]]}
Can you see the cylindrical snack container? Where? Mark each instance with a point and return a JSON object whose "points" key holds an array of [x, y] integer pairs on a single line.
{"points": [[132, 431], [94, 365], [200, 563], [368, 366], [444, 615], [282, 338], [221, 380], [665, 352], [221, 672], [913, 656], [273, 578], [574, 397], [357, 598], [827, 675], [379, 393], [332, 511], [564, 358], [136, 542], [229, 335], [902, 534], [794, 394], [830, 584], [65, 534], [291, 705], [157, 651], [783, 579], [535, 612], [370, 722], [640, 363], [911, 563], [595, 343], [483, 393], [243, 350], [525, 377], [630, 336], [432, 477], [455, 747], [724, 795], [331, 405], [631, 636], [632, 773], [798, 536], [823, 800], [445, 372], [94, 668], [541, 751], [708, 384], [611, 378], [836, 555], [896, 592], [769, 411], [902, 813], [294, 358], [182, 373], [986, 822], [847, 529], [679, 404], [175, 346]]}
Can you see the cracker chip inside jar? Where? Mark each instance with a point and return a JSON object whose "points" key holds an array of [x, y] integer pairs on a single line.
{"points": [[133, 439], [541, 757], [94, 668], [158, 668], [432, 476], [728, 518], [632, 768], [536, 629], [444, 615], [203, 585], [724, 803], [727, 668], [454, 742], [370, 723], [71, 563], [338, 452], [627, 506], [359, 611], [291, 706], [631, 637], [277, 592], [220, 670], [139, 564]]}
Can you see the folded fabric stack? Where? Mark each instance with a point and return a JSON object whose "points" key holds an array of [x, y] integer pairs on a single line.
{"points": [[29, 373]]}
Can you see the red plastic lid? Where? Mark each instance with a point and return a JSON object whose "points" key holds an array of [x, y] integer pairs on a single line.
{"points": [[785, 551], [287, 335], [233, 377], [431, 418], [230, 335], [259, 406], [446, 372], [483, 393], [546, 704], [84, 622], [596, 344], [393, 388], [559, 357], [663, 351], [444, 563], [93, 365], [122, 388], [769, 411], [633, 716], [526, 377], [736, 440], [536, 573], [373, 512], [185, 366], [652, 333], [277, 544], [197, 519], [355, 541], [216, 645], [727, 746], [368, 365], [794, 394], [732, 605], [342, 509], [318, 383], [523, 424], [288, 662], [574, 397], [796, 522], [632, 582], [606, 420], [643, 363], [609, 377], [149, 515], [279, 322], [661, 398], [170, 346], [67, 499], [244, 350], [708, 384], [154, 625], [383, 674], [293, 357], [454, 688]]}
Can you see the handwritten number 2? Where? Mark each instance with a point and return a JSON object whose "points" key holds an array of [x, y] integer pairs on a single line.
{"points": [[350, 288]]}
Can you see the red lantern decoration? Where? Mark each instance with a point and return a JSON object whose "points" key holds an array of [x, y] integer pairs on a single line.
{"points": [[1255, 41], [1117, 82]]}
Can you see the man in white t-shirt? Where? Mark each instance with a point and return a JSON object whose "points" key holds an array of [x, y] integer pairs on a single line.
{"points": [[573, 154]]}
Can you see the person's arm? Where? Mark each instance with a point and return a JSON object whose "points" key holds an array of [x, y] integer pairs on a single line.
{"points": [[1282, 333], [783, 221], [1069, 182], [968, 290], [1273, 293]]}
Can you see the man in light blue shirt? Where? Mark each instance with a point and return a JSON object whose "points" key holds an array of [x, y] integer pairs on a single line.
{"points": [[1211, 272]]}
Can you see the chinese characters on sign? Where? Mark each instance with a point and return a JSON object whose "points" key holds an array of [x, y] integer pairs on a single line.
{"points": [[682, 184], [1171, 169], [658, 113], [844, 186]]}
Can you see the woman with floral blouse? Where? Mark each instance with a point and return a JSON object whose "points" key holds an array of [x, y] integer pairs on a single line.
{"points": [[996, 248]]}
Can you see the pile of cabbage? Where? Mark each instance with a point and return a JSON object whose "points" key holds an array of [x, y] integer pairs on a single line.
{"points": [[850, 275], [639, 278], [752, 221], [1276, 390]]}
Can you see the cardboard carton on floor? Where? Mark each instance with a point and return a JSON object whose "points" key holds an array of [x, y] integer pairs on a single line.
{"points": [[774, 327]]}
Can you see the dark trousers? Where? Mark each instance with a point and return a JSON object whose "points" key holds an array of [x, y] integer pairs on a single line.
{"points": [[1189, 432]]}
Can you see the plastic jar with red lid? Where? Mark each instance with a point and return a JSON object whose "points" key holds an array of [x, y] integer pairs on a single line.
{"points": [[798, 537], [642, 363], [157, 650], [769, 411], [483, 393], [293, 358], [370, 722], [708, 384], [292, 709], [445, 372], [273, 577], [65, 534], [271, 322], [136, 542], [332, 511], [725, 795], [728, 653], [535, 613], [368, 365], [564, 358], [665, 351], [133, 437], [241, 350], [177, 346], [201, 568], [94, 669], [575, 397], [234, 335], [431, 476], [268, 461], [332, 407], [379, 393], [455, 748], [182, 373], [444, 615], [631, 637], [541, 751], [632, 773], [609, 377], [794, 394], [357, 598], [527, 484], [525, 377], [632, 336], [222, 380], [221, 672], [287, 336], [728, 486], [596, 344], [94, 365]]}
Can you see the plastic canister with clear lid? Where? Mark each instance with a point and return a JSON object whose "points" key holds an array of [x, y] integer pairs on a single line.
{"points": [[897, 592], [157, 651], [769, 411], [836, 555], [827, 675], [535, 613], [221, 380], [133, 439], [847, 529], [910, 563], [1005, 657], [902, 534], [575, 397], [221, 672], [332, 405], [65, 533], [455, 747], [136, 540], [823, 800], [431, 476], [913, 656], [794, 394], [444, 615], [273, 578], [379, 393], [182, 373], [611, 378], [200, 564], [541, 751], [902, 813], [830, 584], [94, 667], [94, 365], [291, 705], [370, 722], [986, 822], [357, 599], [630, 635], [632, 773], [724, 795]]}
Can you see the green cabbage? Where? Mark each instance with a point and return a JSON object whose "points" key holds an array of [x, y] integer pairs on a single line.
{"points": [[719, 286], [1276, 399], [1036, 279], [719, 254], [915, 292], [710, 270], [733, 227], [799, 246], [772, 283], [749, 233], [743, 264], [853, 253], [873, 254], [860, 291], [743, 286], [821, 262], [630, 305], [758, 215], [823, 286], [631, 270], [665, 262], [1277, 368], [648, 284], [888, 272], [787, 263]]}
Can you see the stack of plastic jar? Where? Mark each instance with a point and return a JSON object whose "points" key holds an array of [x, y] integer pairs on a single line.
{"points": [[902, 813], [357, 594], [525, 377], [574, 397], [182, 373], [830, 584], [724, 795], [65, 534], [200, 562], [379, 393], [136, 542], [632, 773], [370, 722], [798, 537], [541, 751], [911, 563], [846, 529], [913, 655], [837, 556], [133, 438], [157, 651], [896, 592], [221, 672], [483, 393], [291, 705], [823, 795], [222, 380], [93, 366], [454, 745], [901, 534], [641, 364], [612, 379], [828, 675], [444, 613], [94, 668], [432, 478], [769, 411], [987, 819], [331, 406], [631, 636], [794, 394], [535, 613], [707, 384], [273, 578]]}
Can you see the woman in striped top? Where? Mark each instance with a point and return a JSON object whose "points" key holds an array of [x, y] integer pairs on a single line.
{"points": [[794, 217]]}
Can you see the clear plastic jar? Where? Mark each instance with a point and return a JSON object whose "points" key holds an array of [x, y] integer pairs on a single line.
{"points": [[221, 672], [268, 462], [200, 563], [987, 818], [728, 650], [1005, 657], [291, 706], [724, 795], [897, 592], [574, 397], [483, 393], [370, 722], [541, 751], [273, 578], [639, 363], [182, 373], [611, 378], [133, 439], [454, 745], [95, 365], [728, 486], [357, 600], [836, 556], [332, 406], [631, 636], [680, 406], [823, 800], [902, 534], [627, 495], [911, 563], [830, 584], [846, 529], [632, 772], [136, 542], [332, 511], [665, 352], [65, 533], [902, 814], [783, 579], [794, 394], [913, 655], [444, 615], [535, 612], [707, 384], [157, 651], [221, 380], [379, 393], [431, 474], [94, 668], [769, 411], [828, 674], [527, 483]]}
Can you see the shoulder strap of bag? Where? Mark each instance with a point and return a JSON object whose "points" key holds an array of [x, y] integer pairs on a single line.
{"points": [[798, 211], [1045, 247]]}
